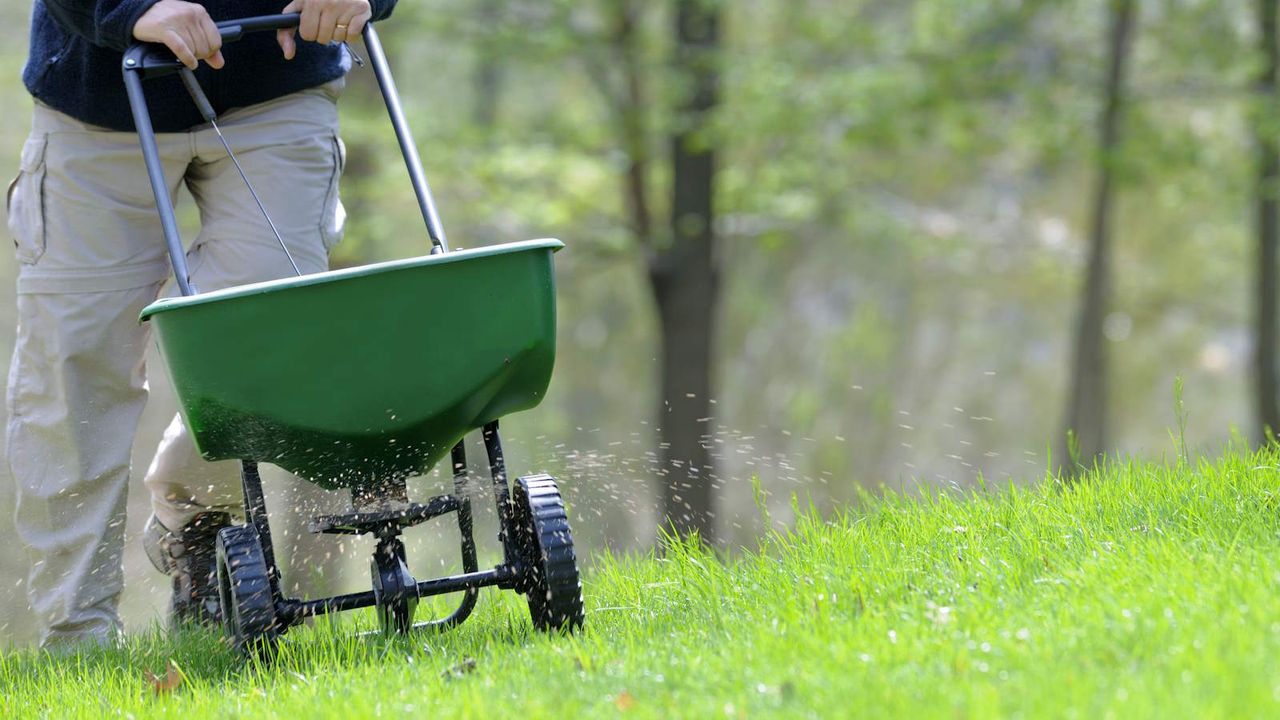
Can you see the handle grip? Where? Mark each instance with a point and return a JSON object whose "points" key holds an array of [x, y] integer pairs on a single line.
{"points": [[197, 94], [233, 30], [156, 60]]}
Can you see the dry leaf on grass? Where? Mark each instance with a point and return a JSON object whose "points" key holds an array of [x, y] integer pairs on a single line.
{"points": [[624, 701], [168, 683]]}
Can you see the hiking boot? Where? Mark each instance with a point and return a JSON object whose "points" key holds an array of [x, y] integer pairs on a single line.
{"points": [[187, 557]]}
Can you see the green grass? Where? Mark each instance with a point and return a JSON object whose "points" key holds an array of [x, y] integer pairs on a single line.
{"points": [[1148, 591]]}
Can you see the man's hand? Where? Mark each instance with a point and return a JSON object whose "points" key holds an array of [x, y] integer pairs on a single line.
{"points": [[324, 21], [186, 29]]}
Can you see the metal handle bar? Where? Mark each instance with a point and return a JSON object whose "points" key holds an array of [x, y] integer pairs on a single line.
{"points": [[233, 30], [156, 60], [146, 60]]}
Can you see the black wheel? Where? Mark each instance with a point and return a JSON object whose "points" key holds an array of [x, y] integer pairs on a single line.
{"points": [[545, 544], [244, 591]]}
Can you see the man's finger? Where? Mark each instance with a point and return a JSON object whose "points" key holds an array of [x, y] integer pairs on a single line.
{"points": [[287, 43], [178, 46], [356, 26], [214, 39], [327, 27], [309, 26], [342, 28], [198, 43], [286, 37], [216, 61], [342, 31]]}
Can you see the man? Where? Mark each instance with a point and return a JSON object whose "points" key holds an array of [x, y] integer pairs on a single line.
{"points": [[91, 255]]}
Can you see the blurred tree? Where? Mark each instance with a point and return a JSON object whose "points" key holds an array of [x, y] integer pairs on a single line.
{"points": [[487, 76], [1086, 431], [684, 278], [680, 261], [1266, 382]]}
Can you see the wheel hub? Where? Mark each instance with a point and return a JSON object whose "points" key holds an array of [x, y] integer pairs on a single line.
{"points": [[394, 589]]}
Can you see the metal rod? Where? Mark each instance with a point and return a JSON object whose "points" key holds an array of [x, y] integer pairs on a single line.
{"points": [[160, 187], [412, 161], [467, 532], [501, 490], [458, 456], [426, 588], [232, 30], [211, 116], [255, 505], [465, 581], [466, 528], [339, 603], [261, 208], [359, 523]]}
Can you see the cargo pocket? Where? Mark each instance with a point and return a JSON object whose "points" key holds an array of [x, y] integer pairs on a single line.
{"points": [[333, 217], [25, 203]]}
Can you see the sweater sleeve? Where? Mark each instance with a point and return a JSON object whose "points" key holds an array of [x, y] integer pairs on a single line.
{"points": [[107, 23], [382, 8]]}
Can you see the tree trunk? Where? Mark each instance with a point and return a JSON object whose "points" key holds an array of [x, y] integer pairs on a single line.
{"points": [[1267, 391], [685, 282], [1086, 432], [635, 131], [487, 79]]}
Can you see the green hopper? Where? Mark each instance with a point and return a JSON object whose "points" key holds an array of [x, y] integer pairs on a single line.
{"points": [[352, 376]]}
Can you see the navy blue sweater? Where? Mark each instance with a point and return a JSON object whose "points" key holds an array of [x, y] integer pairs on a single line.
{"points": [[77, 47]]}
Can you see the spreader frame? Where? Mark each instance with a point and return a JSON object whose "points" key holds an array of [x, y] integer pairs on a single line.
{"points": [[537, 549], [507, 575]]}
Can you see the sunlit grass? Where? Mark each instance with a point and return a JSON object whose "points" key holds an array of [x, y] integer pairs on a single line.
{"points": [[1148, 591]]}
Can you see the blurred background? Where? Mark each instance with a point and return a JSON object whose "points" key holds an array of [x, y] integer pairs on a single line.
{"points": [[813, 247]]}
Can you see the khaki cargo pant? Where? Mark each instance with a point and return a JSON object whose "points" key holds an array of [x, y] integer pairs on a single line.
{"points": [[91, 255]]}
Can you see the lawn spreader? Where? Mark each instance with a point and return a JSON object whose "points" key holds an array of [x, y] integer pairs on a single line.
{"points": [[358, 379]]}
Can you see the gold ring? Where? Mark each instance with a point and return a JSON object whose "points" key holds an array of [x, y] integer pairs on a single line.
{"points": [[340, 26]]}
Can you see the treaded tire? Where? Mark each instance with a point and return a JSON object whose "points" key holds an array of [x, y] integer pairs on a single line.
{"points": [[244, 591], [545, 543]]}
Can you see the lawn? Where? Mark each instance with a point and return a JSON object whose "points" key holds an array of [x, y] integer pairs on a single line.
{"points": [[1144, 591]]}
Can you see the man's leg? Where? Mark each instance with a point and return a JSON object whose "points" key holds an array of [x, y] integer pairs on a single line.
{"points": [[290, 150], [91, 256]]}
